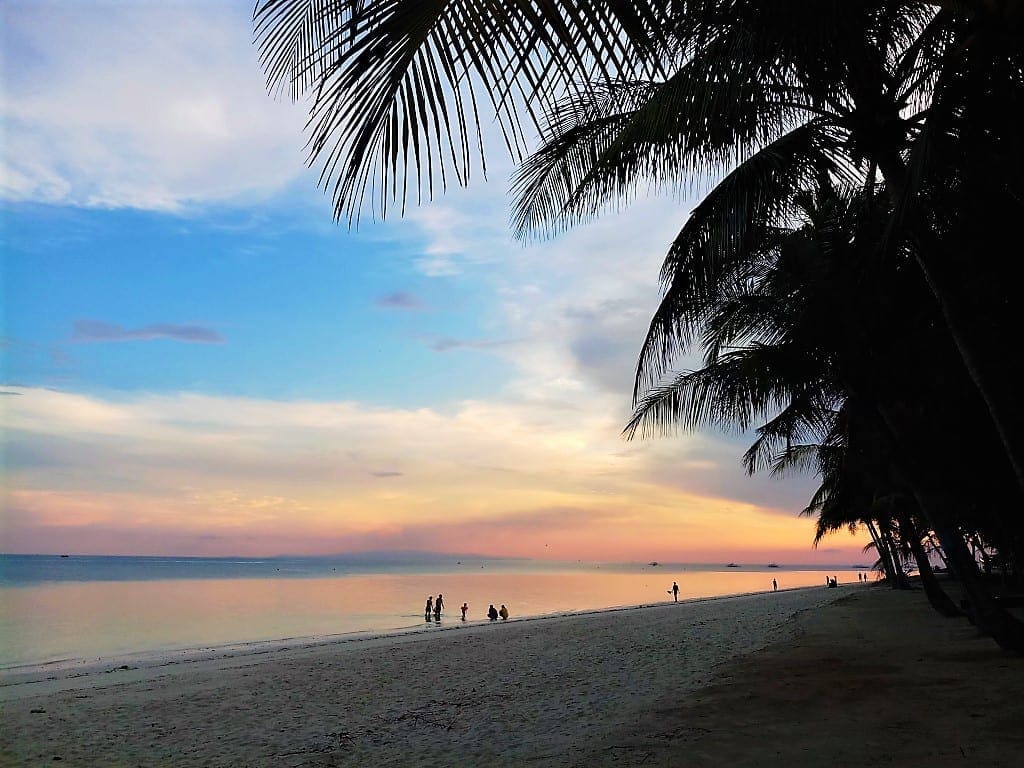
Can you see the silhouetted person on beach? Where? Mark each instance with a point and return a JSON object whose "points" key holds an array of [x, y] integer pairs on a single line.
{"points": [[492, 613], [429, 608], [675, 592], [465, 607], [438, 605], [503, 613], [775, 586]]}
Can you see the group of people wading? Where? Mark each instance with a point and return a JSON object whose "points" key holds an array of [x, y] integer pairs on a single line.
{"points": [[435, 607]]}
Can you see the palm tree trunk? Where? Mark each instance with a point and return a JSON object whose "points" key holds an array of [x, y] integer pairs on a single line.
{"points": [[998, 406], [985, 612], [883, 554], [990, 617], [900, 580], [937, 596], [938, 549], [929, 256]]}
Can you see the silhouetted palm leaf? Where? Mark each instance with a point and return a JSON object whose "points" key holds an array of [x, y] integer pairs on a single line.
{"points": [[398, 85]]}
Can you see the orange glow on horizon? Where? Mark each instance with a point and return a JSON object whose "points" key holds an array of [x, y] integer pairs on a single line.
{"points": [[191, 475]]}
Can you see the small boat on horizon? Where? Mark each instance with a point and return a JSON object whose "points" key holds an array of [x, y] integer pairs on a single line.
{"points": [[773, 565], [732, 565], [654, 562]]}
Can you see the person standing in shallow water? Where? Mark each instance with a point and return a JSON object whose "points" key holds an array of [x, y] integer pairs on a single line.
{"points": [[465, 607], [775, 586], [438, 606], [429, 608], [675, 592]]}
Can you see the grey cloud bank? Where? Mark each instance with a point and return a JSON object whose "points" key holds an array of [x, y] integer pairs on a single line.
{"points": [[399, 300], [98, 331]]}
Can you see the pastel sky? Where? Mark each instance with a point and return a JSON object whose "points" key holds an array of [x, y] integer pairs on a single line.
{"points": [[196, 360]]}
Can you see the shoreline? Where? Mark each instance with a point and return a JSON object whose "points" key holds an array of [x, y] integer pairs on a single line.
{"points": [[798, 679], [541, 691], [69, 674], [77, 624]]}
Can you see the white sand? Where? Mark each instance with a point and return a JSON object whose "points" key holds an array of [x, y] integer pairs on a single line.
{"points": [[541, 692]]}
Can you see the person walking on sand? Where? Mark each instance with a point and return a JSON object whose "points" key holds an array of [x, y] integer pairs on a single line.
{"points": [[465, 607], [438, 606], [775, 586], [429, 608], [503, 613], [675, 592], [492, 613]]}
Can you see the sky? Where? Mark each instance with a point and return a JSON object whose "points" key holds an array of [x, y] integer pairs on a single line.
{"points": [[197, 360]]}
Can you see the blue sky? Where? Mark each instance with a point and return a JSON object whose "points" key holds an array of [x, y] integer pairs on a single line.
{"points": [[200, 361], [290, 308]]}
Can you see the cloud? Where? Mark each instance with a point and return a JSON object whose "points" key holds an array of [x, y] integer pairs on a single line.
{"points": [[98, 331], [447, 344], [399, 300], [467, 229], [514, 477], [90, 122], [152, 106]]}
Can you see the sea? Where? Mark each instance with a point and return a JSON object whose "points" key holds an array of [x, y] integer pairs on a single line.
{"points": [[66, 610]]}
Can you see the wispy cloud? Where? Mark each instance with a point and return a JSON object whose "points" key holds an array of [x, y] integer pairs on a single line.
{"points": [[98, 331], [314, 476], [399, 300], [86, 125], [447, 344]]}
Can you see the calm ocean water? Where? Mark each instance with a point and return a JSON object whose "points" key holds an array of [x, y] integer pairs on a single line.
{"points": [[67, 610]]}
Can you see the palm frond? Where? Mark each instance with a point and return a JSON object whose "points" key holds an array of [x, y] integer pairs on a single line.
{"points": [[740, 213], [398, 85], [731, 393]]}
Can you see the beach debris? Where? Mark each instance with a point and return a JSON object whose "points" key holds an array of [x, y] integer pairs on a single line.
{"points": [[37, 711], [330, 742]]}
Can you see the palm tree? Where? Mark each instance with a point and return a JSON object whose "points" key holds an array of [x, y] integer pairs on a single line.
{"points": [[663, 90], [786, 340], [916, 104], [853, 95]]}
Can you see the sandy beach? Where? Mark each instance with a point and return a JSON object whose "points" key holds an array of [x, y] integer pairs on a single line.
{"points": [[766, 679]]}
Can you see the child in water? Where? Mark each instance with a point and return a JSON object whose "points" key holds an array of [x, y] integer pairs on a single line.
{"points": [[492, 614], [465, 607], [429, 608], [503, 613]]}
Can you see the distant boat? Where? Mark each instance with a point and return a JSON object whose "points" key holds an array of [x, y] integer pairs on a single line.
{"points": [[732, 565], [65, 555], [772, 565], [653, 562]]}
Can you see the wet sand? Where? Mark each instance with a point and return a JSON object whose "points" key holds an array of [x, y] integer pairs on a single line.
{"points": [[801, 677]]}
